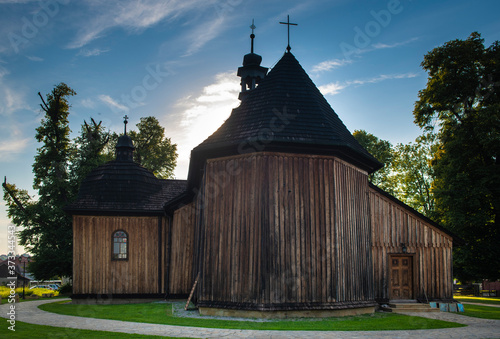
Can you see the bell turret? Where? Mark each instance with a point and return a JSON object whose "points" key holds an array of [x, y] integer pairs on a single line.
{"points": [[125, 147], [251, 73]]}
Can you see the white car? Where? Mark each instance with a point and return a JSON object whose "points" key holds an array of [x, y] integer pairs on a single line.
{"points": [[42, 286]]}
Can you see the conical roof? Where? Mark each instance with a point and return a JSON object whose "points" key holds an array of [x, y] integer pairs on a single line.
{"points": [[285, 113], [122, 187]]}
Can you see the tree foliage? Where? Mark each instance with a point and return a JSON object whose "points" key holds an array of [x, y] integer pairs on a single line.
{"points": [[407, 173], [383, 152], [461, 100], [47, 230], [413, 174], [88, 151], [153, 149]]}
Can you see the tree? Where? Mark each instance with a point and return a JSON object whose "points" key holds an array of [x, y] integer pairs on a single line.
{"points": [[407, 173], [88, 152], [413, 174], [47, 230], [462, 101], [383, 152], [153, 150]]}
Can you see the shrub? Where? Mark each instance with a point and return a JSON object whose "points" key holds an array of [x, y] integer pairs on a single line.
{"points": [[66, 289]]}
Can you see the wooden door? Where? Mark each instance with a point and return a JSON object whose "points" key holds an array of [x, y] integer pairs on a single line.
{"points": [[401, 277]]}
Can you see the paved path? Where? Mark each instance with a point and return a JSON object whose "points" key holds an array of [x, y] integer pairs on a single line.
{"points": [[29, 312]]}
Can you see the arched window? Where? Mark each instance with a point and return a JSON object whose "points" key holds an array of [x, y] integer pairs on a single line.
{"points": [[120, 245]]}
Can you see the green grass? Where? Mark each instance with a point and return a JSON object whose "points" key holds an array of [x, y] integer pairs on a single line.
{"points": [[491, 301], [25, 330], [160, 313], [484, 312]]}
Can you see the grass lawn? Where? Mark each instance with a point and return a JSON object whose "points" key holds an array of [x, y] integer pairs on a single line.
{"points": [[491, 301], [25, 330], [161, 313], [485, 312]]}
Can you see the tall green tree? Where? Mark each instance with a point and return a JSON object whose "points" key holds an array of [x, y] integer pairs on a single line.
{"points": [[462, 101], [88, 151], [46, 228], [382, 150], [407, 173], [153, 149], [413, 175]]}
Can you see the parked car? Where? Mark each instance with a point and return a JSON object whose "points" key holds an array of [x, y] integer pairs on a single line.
{"points": [[43, 286]]}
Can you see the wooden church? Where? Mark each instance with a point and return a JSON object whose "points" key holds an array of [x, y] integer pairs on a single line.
{"points": [[277, 217]]}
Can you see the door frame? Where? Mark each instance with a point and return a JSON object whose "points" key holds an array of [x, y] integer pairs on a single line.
{"points": [[414, 271]]}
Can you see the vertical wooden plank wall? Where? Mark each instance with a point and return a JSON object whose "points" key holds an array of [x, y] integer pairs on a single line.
{"points": [[284, 229], [182, 250], [431, 248], [93, 270]]}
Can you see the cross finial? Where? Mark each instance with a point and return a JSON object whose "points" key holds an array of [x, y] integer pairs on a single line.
{"points": [[252, 36], [288, 48], [125, 121]]}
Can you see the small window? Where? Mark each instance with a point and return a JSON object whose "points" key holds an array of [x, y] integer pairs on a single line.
{"points": [[120, 247]]}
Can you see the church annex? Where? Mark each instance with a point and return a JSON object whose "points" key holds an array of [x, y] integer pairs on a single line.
{"points": [[277, 215]]}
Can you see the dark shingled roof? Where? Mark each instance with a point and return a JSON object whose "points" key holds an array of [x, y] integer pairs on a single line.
{"points": [[124, 187], [285, 113]]}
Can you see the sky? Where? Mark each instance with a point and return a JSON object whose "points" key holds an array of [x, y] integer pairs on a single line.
{"points": [[177, 60]]}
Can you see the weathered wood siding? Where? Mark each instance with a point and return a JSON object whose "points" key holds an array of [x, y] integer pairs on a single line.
{"points": [[430, 247], [283, 231], [182, 250], [95, 273]]}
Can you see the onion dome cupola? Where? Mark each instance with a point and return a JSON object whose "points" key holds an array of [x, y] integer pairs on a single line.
{"points": [[251, 72]]}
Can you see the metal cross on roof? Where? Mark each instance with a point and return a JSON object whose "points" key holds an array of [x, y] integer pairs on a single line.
{"points": [[125, 121], [252, 36], [288, 48], [253, 26]]}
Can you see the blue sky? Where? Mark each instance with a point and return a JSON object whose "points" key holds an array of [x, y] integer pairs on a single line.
{"points": [[177, 60]]}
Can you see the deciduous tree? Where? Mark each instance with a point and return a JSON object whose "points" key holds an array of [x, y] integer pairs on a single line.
{"points": [[153, 149], [462, 102]]}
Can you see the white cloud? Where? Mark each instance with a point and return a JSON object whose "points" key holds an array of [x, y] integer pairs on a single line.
{"points": [[12, 101], [113, 104], [332, 88], [335, 88], [196, 117], [397, 44], [11, 147], [91, 52], [382, 77], [35, 58], [131, 15], [3, 72], [88, 103], [203, 34], [330, 64]]}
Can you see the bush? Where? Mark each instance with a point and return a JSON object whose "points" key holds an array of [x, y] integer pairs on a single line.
{"points": [[41, 291], [66, 289]]}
